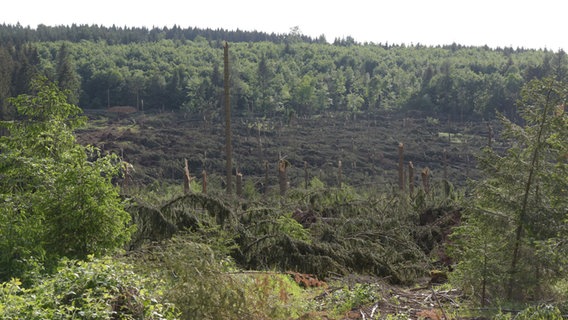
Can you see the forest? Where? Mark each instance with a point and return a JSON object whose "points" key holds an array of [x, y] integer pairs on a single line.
{"points": [[369, 181]]}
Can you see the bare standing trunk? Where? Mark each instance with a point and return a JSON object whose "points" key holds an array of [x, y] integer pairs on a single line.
{"points": [[401, 166], [306, 175], [426, 180], [339, 177], [204, 184], [282, 178], [265, 189], [445, 159], [489, 135], [410, 178], [186, 178], [239, 184], [228, 148]]}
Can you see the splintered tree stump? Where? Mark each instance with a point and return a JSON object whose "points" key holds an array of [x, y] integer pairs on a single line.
{"points": [[228, 137], [186, 178], [410, 178], [265, 187], [204, 182], [282, 177], [426, 180], [339, 178], [306, 175], [239, 184], [489, 135], [445, 163], [401, 166]]}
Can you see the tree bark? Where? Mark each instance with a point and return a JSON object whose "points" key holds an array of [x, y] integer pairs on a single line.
{"points": [[401, 166], [228, 147], [186, 178]]}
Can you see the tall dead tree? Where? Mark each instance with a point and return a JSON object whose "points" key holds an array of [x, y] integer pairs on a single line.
{"points": [[339, 175], [265, 189], [282, 177], [489, 135], [228, 147], [410, 178], [239, 184], [445, 160], [401, 166], [186, 178], [204, 183], [426, 180], [306, 175]]}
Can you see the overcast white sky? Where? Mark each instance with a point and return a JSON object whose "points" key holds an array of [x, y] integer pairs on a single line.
{"points": [[497, 23]]}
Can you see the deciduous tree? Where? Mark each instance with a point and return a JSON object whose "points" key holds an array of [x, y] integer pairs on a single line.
{"points": [[56, 196]]}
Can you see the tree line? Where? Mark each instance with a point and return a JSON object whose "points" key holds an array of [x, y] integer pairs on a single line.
{"points": [[289, 74], [18, 34]]}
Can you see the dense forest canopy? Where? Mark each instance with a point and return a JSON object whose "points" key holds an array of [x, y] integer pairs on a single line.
{"points": [[179, 69]]}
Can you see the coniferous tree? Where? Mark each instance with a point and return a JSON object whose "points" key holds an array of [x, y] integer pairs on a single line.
{"points": [[510, 245], [25, 68], [6, 69], [66, 77]]}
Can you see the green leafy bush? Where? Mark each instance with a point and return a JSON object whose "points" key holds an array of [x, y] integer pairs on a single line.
{"points": [[93, 289], [56, 196], [344, 299]]}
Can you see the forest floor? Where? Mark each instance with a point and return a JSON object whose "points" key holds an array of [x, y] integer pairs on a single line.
{"points": [[412, 303]]}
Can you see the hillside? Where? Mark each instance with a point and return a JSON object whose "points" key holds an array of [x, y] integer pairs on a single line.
{"points": [[288, 75], [367, 146]]}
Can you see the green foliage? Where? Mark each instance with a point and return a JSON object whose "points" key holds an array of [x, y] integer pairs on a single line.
{"points": [[346, 298], [292, 228], [92, 289], [57, 196], [316, 183], [533, 313], [511, 244], [274, 296], [347, 233], [204, 283], [119, 67]]}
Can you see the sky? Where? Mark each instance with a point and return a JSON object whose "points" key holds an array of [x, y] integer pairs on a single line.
{"points": [[496, 23]]}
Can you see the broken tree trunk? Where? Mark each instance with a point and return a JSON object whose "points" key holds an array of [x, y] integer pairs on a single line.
{"points": [[186, 178], [306, 175], [339, 177], [401, 166], [204, 184], [228, 148], [426, 180], [282, 178], [410, 178], [239, 184]]}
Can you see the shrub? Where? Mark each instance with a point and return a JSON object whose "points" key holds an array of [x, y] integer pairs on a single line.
{"points": [[56, 196], [93, 289], [205, 284]]}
